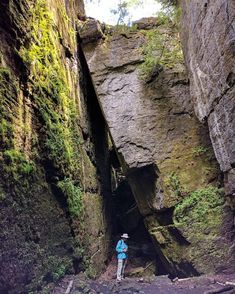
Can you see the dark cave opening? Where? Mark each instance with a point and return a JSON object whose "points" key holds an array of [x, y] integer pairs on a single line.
{"points": [[129, 220], [143, 253]]}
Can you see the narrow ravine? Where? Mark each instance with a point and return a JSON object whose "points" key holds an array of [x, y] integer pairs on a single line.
{"points": [[112, 129]]}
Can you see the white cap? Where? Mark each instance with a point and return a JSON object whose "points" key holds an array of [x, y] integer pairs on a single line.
{"points": [[125, 236]]}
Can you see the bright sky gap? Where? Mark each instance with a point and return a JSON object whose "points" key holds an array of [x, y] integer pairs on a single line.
{"points": [[101, 10]]}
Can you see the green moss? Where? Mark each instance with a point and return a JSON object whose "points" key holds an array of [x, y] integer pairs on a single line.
{"points": [[53, 268], [184, 172], [198, 150], [2, 194], [8, 95], [162, 48], [174, 184], [74, 196], [201, 210], [16, 165], [51, 92], [199, 217]]}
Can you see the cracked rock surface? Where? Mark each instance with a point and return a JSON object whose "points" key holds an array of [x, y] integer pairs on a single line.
{"points": [[209, 44], [157, 138]]}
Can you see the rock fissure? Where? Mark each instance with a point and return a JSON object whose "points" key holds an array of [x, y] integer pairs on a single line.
{"points": [[101, 133]]}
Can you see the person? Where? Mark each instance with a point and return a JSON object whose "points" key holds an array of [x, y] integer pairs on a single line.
{"points": [[122, 249]]}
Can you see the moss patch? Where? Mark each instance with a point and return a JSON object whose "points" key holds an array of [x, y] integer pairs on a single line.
{"points": [[74, 196], [199, 218], [186, 171], [202, 209], [8, 97]]}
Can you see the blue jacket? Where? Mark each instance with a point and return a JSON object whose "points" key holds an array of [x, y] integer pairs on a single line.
{"points": [[121, 245]]}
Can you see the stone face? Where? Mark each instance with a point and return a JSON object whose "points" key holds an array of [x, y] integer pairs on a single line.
{"points": [[208, 39], [90, 30], [157, 117], [163, 149], [50, 155]]}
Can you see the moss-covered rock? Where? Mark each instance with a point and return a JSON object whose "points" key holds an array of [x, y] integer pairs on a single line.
{"points": [[46, 165], [199, 218], [188, 168]]}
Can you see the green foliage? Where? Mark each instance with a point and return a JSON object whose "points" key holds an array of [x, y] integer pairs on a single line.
{"points": [[122, 11], [8, 96], [174, 184], [16, 165], [199, 150], [162, 48], [123, 29], [2, 194], [168, 3], [51, 92], [90, 271], [59, 272], [74, 196], [56, 267], [203, 208]]}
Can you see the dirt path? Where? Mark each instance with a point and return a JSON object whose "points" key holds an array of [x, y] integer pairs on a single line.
{"points": [[158, 284], [107, 284]]}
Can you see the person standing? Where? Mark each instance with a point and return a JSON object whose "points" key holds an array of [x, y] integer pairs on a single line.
{"points": [[122, 249]]}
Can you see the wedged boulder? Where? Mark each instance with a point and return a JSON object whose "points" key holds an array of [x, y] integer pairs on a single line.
{"points": [[146, 23], [90, 30], [164, 151]]}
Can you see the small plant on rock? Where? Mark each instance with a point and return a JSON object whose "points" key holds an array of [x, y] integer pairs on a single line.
{"points": [[199, 150], [74, 196]]}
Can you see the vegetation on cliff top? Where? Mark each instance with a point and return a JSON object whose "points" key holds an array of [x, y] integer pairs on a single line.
{"points": [[162, 48]]}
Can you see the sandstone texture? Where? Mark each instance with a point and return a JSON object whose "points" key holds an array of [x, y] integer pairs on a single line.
{"points": [[208, 41], [163, 149], [49, 157]]}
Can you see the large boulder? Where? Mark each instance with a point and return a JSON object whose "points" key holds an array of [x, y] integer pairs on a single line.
{"points": [[90, 30], [164, 150]]}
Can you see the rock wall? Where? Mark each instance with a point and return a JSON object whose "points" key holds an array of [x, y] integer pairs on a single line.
{"points": [[164, 151], [208, 40], [53, 149]]}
